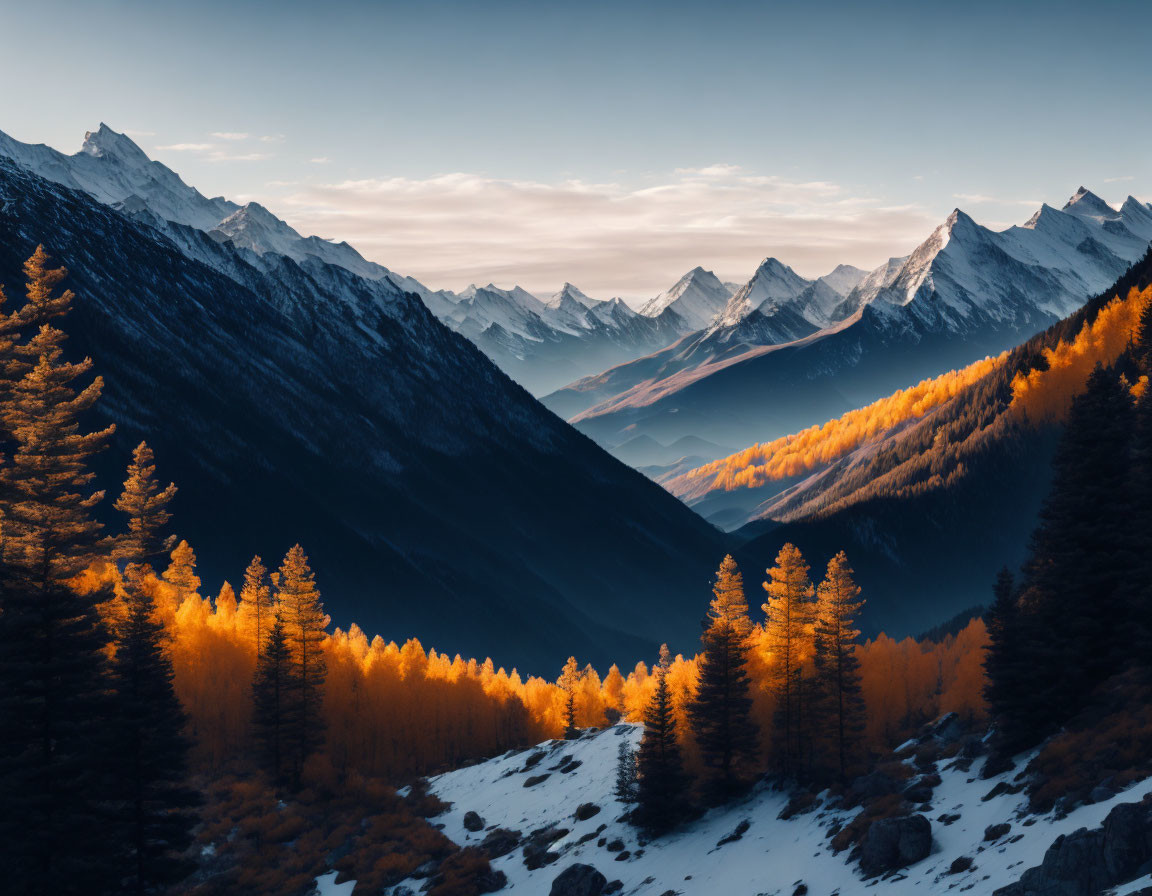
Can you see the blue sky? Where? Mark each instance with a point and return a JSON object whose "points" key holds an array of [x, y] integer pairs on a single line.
{"points": [[613, 145]]}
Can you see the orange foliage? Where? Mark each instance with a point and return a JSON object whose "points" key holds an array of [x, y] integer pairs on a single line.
{"points": [[394, 711], [1046, 395], [819, 446]]}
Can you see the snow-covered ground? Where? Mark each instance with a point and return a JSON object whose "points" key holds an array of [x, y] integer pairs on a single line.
{"points": [[773, 856]]}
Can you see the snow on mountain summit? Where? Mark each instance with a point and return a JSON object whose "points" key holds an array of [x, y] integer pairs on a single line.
{"points": [[697, 297]]}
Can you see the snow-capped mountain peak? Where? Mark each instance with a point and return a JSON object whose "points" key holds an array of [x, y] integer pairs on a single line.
{"points": [[105, 142], [773, 284], [571, 293], [697, 297], [1085, 203]]}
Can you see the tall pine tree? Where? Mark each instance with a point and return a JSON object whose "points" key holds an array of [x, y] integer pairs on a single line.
{"points": [[256, 610], [841, 702], [56, 760], [49, 530], [791, 614], [304, 623], [570, 678], [720, 710], [662, 782], [275, 701], [158, 806], [146, 505]]}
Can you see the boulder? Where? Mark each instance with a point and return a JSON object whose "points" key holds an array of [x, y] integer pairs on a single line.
{"points": [[1088, 862], [893, 843], [579, 880], [873, 785], [500, 842], [996, 831], [585, 811], [615, 845], [536, 779], [473, 822]]}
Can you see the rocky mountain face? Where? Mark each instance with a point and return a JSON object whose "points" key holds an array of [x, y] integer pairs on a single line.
{"points": [[293, 399]]}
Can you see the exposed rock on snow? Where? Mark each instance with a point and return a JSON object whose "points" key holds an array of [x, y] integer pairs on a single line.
{"points": [[773, 855]]}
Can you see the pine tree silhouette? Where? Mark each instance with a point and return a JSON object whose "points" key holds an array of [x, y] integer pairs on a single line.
{"points": [[720, 710]]}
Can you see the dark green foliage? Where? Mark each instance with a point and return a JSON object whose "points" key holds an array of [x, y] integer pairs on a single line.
{"points": [[274, 700], [157, 806], [625, 773], [720, 710], [1071, 627], [661, 779], [55, 757]]}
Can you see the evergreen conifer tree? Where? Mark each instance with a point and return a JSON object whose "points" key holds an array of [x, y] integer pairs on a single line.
{"points": [[720, 710], [146, 505], [56, 760], [570, 679], [49, 530], [841, 702], [625, 773], [790, 617], [275, 700], [256, 610], [304, 623], [661, 780], [158, 806]]}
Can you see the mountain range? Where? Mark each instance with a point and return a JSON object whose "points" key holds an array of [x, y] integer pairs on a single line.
{"points": [[786, 354], [297, 393]]}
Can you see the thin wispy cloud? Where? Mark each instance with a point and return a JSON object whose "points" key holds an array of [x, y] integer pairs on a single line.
{"points": [[229, 135], [188, 147], [983, 198], [320, 160], [272, 138], [1118, 180], [609, 238]]}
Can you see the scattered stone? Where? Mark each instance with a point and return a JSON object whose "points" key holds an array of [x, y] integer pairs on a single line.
{"points": [[996, 831], [536, 779], [800, 804], [579, 880], [534, 760], [571, 767], [623, 856], [737, 834], [948, 818], [615, 845], [536, 846], [473, 822], [893, 843], [1001, 788], [500, 842], [960, 865], [585, 811], [996, 765], [614, 886], [801, 890]]}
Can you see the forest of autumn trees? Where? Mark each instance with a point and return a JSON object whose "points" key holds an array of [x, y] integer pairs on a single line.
{"points": [[136, 704]]}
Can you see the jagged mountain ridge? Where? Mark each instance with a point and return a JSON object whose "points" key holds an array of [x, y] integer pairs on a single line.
{"points": [[541, 344], [965, 292], [296, 401]]}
